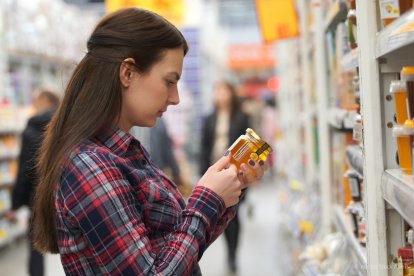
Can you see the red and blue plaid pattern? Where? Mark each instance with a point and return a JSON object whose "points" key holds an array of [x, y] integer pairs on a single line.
{"points": [[118, 214]]}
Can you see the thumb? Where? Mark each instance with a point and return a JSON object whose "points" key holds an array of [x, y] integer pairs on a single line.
{"points": [[222, 163]]}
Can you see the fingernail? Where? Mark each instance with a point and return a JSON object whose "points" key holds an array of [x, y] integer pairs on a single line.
{"points": [[243, 167], [261, 162], [241, 173], [251, 162], [227, 153]]}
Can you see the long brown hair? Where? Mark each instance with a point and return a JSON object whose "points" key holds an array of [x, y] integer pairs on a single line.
{"points": [[93, 99]]}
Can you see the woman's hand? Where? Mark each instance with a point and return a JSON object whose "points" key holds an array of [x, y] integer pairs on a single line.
{"points": [[222, 178], [251, 173]]}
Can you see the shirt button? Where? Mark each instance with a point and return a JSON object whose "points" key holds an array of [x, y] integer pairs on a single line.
{"points": [[143, 162]]}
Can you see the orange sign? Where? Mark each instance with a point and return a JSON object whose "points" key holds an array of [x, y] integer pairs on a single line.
{"points": [[251, 56], [172, 10], [277, 19]]}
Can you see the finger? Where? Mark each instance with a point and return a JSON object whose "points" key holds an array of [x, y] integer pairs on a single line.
{"points": [[232, 169], [263, 166], [249, 174], [242, 178], [260, 170], [222, 163], [258, 167]]}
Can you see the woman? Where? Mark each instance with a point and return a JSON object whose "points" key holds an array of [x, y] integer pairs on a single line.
{"points": [[101, 202], [221, 129]]}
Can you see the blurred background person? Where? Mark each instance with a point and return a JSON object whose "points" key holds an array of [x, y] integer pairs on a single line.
{"points": [[268, 131], [220, 129], [45, 104]]}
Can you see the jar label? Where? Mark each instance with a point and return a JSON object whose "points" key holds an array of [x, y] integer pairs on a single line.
{"points": [[241, 152], [389, 9], [264, 147]]}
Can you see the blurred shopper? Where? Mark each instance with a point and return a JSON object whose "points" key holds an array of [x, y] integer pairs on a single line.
{"points": [[45, 104], [101, 203], [162, 150], [220, 130], [268, 129]]}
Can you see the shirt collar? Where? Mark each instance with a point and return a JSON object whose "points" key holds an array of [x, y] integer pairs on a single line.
{"points": [[117, 140]]}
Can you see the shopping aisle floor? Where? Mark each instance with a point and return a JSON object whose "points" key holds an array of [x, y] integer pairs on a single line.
{"points": [[258, 248]]}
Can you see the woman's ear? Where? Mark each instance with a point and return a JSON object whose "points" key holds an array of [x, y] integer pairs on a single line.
{"points": [[126, 70]]}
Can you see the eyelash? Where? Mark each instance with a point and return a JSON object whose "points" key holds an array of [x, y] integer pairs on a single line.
{"points": [[171, 82]]}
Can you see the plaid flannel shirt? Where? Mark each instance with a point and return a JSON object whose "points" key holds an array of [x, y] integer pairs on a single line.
{"points": [[118, 214]]}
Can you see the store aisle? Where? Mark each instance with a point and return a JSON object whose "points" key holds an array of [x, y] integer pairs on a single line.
{"points": [[13, 261], [258, 252], [258, 248]]}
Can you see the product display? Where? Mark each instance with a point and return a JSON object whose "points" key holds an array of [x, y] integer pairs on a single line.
{"points": [[398, 89]]}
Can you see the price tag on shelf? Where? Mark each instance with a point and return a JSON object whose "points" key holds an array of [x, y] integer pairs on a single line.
{"points": [[357, 133]]}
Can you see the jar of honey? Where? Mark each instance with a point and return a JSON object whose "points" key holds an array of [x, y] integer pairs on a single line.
{"points": [[399, 90], [403, 133], [249, 146]]}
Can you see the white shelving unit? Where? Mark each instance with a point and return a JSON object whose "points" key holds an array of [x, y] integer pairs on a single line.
{"points": [[398, 191], [359, 254], [396, 36], [389, 195]]}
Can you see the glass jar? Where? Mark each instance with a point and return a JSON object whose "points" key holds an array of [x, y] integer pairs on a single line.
{"points": [[352, 25], [399, 91], [249, 146]]}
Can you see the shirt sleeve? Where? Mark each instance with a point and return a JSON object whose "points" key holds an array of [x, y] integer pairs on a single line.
{"points": [[224, 220], [104, 205]]}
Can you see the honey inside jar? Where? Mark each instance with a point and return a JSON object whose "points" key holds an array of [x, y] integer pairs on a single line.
{"points": [[249, 146]]}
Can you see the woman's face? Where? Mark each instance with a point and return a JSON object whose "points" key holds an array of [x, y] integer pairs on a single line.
{"points": [[222, 96], [148, 95]]}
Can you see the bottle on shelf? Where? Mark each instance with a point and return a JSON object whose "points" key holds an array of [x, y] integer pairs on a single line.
{"points": [[352, 25], [407, 76], [398, 89], [405, 254], [403, 148]]}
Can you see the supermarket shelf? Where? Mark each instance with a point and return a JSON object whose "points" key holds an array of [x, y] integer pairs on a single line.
{"points": [[357, 250], [6, 182], [11, 156], [337, 13], [341, 119], [6, 131], [397, 35], [15, 234], [19, 56], [398, 191], [350, 61], [355, 158], [3, 212]]}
